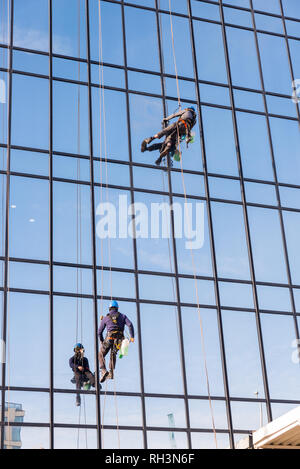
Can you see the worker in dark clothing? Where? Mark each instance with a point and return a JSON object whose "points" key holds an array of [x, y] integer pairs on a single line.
{"points": [[115, 323], [174, 132], [80, 366]]}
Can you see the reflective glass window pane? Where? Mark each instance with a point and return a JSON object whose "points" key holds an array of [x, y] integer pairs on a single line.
{"points": [[29, 62], [164, 440], [28, 314], [255, 148], [157, 410], [123, 439], [276, 299], [205, 10], [168, 378], [271, 6], [140, 39], [67, 438], [267, 245], [292, 225], [109, 15], [201, 415], [114, 244], [109, 125], [214, 94], [31, 24], [239, 3], [154, 238], [242, 354], [64, 405], [289, 197], [291, 8], [238, 17], [275, 64], [236, 295], [29, 276], [72, 219], [78, 313], [144, 82], [222, 188], [269, 23], [281, 106], [69, 28], [248, 100], [183, 52], [220, 151], [257, 193], [34, 405], [230, 240], [35, 438], [208, 39], [283, 371], [286, 143], [71, 118], [70, 69], [30, 112], [207, 440], [293, 28], [243, 58], [248, 416], [29, 162], [178, 6], [194, 353], [29, 218]]}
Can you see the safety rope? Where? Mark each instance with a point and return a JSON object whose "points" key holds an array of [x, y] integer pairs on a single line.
{"points": [[79, 274], [191, 251], [7, 357], [102, 110]]}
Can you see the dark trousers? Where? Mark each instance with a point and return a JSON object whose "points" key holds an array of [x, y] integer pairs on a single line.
{"points": [[171, 141], [109, 345], [80, 378]]}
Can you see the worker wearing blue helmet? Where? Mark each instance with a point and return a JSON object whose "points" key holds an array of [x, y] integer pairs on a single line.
{"points": [[174, 132], [114, 322]]}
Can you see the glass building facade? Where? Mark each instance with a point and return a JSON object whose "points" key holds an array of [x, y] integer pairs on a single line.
{"points": [[80, 88]]}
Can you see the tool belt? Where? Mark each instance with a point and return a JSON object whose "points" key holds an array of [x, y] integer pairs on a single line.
{"points": [[115, 335]]}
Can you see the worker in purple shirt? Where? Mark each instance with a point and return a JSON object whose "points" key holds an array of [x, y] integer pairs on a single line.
{"points": [[114, 322]]}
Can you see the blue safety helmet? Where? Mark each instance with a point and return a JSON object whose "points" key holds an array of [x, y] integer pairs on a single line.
{"points": [[80, 346], [114, 304], [192, 107]]}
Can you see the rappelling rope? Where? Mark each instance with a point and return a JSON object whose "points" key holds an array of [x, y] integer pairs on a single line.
{"points": [[191, 251], [79, 274], [7, 357], [102, 108]]}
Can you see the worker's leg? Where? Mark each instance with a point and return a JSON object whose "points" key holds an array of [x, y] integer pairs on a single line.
{"points": [[90, 377], [104, 349], [167, 131], [154, 147], [112, 361], [78, 386]]}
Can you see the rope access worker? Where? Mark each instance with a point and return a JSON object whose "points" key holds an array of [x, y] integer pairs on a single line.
{"points": [[115, 323], [174, 132], [80, 366]]}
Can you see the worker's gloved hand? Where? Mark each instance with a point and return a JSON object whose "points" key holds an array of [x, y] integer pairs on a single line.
{"points": [[132, 339]]}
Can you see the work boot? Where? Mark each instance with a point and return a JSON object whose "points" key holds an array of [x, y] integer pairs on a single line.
{"points": [[110, 375], [158, 161], [145, 143], [104, 374]]}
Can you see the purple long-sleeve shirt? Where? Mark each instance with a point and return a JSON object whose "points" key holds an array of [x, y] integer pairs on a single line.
{"points": [[107, 323]]}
